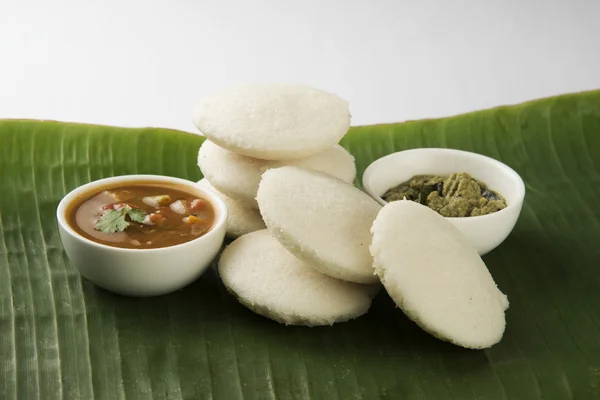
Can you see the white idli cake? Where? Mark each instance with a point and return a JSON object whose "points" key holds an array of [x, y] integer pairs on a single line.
{"points": [[435, 276], [234, 175], [238, 176], [240, 218], [322, 220], [335, 161], [273, 121], [269, 280]]}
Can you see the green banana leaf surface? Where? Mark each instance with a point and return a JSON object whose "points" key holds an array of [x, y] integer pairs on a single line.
{"points": [[61, 337]]}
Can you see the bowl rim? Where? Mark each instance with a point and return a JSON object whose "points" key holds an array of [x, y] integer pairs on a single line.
{"points": [[508, 172], [210, 195]]}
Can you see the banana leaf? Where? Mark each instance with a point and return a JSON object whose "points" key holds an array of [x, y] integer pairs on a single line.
{"points": [[61, 337]]}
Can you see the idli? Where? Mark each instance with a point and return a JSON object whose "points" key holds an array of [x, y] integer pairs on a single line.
{"points": [[273, 121], [320, 219], [270, 281], [240, 218], [436, 277], [238, 176]]}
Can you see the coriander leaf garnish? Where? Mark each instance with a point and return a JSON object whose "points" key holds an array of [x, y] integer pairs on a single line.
{"points": [[113, 221], [137, 214]]}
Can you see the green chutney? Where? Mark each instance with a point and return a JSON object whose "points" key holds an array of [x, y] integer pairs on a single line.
{"points": [[457, 195]]}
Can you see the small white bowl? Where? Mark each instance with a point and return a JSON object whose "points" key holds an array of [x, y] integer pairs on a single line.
{"points": [[484, 232], [142, 272]]}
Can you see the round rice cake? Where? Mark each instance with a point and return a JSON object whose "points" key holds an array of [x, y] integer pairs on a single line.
{"points": [[436, 277], [232, 174], [273, 121], [241, 219], [270, 281], [238, 176], [320, 219]]}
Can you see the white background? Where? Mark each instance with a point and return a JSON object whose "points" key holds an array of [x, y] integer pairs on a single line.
{"points": [[146, 62]]}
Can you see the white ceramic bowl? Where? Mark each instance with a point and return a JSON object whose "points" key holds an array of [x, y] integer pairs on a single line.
{"points": [[484, 232], [142, 272]]}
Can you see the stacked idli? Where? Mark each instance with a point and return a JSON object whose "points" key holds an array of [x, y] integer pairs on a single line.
{"points": [[311, 248], [253, 128], [273, 121], [241, 219]]}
